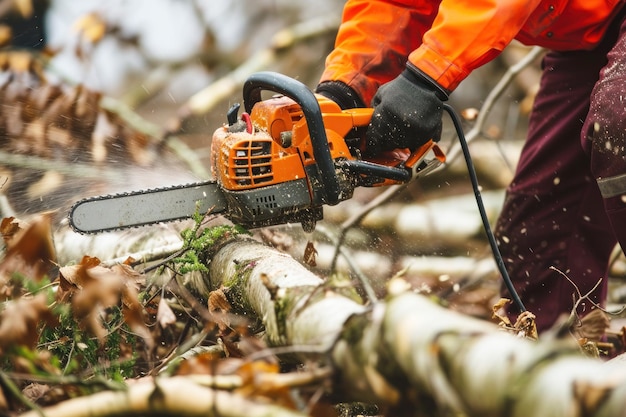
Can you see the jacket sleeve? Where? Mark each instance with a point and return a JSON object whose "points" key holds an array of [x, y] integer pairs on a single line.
{"points": [[446, 41], [467, 34], [374, 41]]}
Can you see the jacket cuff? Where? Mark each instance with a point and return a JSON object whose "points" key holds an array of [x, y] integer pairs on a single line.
{"points": [[418, 76], [340, 93], [437, 67]]}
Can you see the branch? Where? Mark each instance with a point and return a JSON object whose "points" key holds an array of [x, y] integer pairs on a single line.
{"points": [[406, 352], [493, 97], [176, 396], [206, 99], [410, 349]]}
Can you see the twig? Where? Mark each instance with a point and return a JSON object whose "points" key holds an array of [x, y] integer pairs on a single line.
{"points": [[206, 99], [365, 282], [63, 167], [165, 396], [579, 297], [492, 97], [144, 256]]}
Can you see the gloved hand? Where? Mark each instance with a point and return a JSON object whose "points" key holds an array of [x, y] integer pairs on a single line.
{"points": [[407, 113]]}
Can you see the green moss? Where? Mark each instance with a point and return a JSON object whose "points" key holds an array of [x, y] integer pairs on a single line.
{"points": [[235, 284], [198, 243]]}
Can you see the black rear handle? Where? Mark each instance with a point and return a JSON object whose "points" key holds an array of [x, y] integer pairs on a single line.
{"points": [[301, 94]]}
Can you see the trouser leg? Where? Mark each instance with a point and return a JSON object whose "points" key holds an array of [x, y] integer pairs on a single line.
{"points": [[605, 132], [553, 221]]}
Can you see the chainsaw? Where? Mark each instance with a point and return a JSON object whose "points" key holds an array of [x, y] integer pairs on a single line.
{"points": [[278, 162]]}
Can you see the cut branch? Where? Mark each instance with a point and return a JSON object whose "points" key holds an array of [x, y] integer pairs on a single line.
{"points": [[176, 396]]}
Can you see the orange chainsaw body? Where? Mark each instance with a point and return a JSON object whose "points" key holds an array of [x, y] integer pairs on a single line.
{"points": [[296, 152], [244, 160]]}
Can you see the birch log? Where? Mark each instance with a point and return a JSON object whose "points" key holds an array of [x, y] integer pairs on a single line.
{"points": [[410, 349]]}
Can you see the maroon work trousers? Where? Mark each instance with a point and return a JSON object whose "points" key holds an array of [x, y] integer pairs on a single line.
{"points": [[565, 208]]}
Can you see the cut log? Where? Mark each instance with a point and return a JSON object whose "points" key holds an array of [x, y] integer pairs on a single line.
{"points": [[410, 349]]}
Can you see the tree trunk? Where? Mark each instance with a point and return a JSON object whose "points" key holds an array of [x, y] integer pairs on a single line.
{"points": [[409, 349]]}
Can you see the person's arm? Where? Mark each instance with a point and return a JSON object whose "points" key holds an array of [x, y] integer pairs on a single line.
{"points": [[467, 34], [376, 37], [374, 41]]}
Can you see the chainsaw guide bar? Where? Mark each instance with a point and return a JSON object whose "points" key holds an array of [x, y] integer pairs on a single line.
{"points": [[139, 208]]}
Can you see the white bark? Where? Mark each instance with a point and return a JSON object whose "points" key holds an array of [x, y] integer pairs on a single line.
{"points": [[459, 364], [175, 396]]}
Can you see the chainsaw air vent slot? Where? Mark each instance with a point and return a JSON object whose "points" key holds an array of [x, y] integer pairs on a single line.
{"points": [[251, 162], [264, 203], [295, 113]]}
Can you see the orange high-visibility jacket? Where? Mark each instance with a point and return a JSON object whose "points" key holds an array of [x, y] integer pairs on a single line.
{"points": [[447, 39]]}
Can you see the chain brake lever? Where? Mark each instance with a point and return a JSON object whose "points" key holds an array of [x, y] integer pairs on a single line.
{"points": [[417, 162]]}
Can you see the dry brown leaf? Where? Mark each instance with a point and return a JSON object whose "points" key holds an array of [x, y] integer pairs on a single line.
{"points": [[310, 254], [9, 227], [72, 277], [20, 319], [31, 251], [499, 314], [24, 7], [91, 288], [35, 391], [219, 305], [20, 62], [133, 310], [593, 326], [6, 35], [208, 363], [278, 393]]}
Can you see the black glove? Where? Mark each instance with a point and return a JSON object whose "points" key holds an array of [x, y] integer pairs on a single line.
{"points": [[407, 113], [340, 93]]}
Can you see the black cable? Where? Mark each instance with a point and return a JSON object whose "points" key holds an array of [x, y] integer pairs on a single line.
{"points": [[481, 208]]}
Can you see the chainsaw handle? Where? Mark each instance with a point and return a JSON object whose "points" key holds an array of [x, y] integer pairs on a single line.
{"points": [[302, 95]]}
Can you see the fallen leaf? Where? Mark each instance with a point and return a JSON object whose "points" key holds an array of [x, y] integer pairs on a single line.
{"points": [[20, 320], [499, 314], [31, 251], [219, 306], [9, 227], [91, 26]]}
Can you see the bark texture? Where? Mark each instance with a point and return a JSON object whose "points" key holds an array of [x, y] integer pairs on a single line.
{"points": [[409, 349]]}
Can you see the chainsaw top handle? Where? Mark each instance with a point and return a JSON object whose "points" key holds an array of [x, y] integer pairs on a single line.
{"points": [[300, 93]]}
